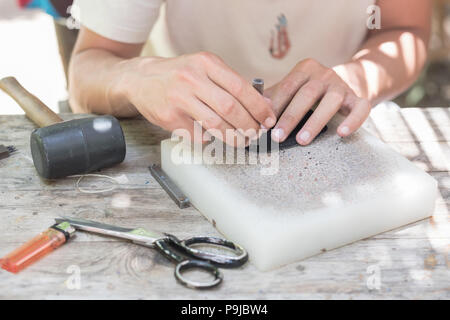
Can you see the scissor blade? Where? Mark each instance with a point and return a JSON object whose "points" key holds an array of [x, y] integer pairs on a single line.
{"points": [[137, 235], [89, 225]]}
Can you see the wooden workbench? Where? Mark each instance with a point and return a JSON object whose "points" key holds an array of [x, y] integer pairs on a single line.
{"points": [[410, 262]]}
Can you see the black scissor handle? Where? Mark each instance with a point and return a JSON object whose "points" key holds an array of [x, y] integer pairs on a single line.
{"points": [[183, 264], [197, 264], [220, 260]]}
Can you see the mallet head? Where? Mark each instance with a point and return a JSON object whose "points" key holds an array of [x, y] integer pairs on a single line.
{"points": [[77, 146]]}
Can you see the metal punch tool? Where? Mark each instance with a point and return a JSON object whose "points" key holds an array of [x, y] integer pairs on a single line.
{"points": [[179, 251]]}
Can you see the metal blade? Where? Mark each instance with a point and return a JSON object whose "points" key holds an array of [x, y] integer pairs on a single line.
{"points": [[137, 235], [83, 224]]}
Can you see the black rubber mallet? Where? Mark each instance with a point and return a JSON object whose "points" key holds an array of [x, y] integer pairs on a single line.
{"points": [[64, 148]]}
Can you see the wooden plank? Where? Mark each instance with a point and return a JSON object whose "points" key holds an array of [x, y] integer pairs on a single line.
{"points": [[429, 156], [406, 269], [413, 261], [410, 124], [18, 173], [391, 125], [29, 212], [403, 255]]}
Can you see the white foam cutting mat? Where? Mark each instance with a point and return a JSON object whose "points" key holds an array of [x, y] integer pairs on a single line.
{"points": [[325, 195]]}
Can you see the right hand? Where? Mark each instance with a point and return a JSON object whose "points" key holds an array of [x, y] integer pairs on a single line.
{"points": [[174, 92]]}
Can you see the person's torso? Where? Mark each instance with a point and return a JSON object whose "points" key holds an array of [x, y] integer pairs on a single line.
{"points": [[266, 38]]}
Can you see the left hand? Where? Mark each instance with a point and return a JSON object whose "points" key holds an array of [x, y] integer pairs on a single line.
{"points": [[310, 82]]}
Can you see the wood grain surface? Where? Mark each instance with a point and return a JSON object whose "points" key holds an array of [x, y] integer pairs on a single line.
{"points": [[410, 262]]}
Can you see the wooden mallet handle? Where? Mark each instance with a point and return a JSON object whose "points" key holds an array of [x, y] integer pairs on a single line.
{"points": [[34, 108]]}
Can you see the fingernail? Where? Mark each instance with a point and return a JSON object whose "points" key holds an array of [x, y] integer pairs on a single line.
{"points": [[304, 136], [269, 123], [263, 127], [345, 131], [277, 134]]}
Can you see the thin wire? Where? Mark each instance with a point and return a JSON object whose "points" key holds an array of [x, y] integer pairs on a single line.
{"points": [[91, 191]]}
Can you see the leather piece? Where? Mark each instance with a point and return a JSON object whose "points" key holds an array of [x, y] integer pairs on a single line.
{"points": [[290, 142]]}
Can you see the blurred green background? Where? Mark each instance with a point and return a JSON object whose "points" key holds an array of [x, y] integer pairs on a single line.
{"points": [[432, 89]]}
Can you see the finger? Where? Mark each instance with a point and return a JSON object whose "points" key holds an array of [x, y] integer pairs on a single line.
{"points": [[214, 124], [269, 92], [296, 110], [243, 91], [185, 127], [349, 102], [225, 106], [358, 114], [327, 108], [175, 121], [285, 90]]}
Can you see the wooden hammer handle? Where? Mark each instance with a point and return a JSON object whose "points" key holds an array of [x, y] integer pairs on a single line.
{"points": [[34, 108]]}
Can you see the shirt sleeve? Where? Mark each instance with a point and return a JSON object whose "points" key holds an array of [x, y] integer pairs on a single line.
{"points": [[128, 21]]}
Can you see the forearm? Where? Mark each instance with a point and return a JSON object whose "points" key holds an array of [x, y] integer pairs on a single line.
{"points": [[96, 84], [387, 64]]}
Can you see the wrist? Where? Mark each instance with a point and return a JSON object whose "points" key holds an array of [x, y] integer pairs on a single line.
{"points": [[130, 75], [120, 91], [125, 79], [353, 74]]}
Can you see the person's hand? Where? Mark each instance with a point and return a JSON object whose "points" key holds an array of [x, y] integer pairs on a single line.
{"points": [[308, 83], [172, 93]]}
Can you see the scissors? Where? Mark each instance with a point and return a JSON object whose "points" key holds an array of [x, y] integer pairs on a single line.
{"points": [[173, 249]]}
